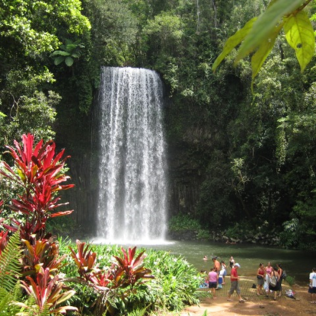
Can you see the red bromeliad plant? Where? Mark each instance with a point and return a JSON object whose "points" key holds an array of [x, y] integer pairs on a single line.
{"points": [[126, 271], [42, 253], [39, 174], [130, 269], [85, 259], [88, 269], [47, 293]]}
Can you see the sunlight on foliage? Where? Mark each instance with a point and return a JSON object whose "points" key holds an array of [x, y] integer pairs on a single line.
{"points": [[259, 35]]}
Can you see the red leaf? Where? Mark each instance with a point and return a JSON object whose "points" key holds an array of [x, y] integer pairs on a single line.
{"points": [[28, 141], [61, 213]]}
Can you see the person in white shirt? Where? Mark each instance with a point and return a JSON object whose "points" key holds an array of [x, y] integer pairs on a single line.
{"points": [[312, 285]]}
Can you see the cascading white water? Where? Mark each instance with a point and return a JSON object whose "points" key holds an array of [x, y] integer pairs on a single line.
{"points": [[132, 170]]}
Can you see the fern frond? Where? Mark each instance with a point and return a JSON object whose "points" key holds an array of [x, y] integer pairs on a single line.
{"points": [[138, 312], [6, 298], [10, 267]]}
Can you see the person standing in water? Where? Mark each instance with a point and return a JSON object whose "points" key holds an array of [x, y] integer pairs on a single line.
{"points": [[234, 279]]}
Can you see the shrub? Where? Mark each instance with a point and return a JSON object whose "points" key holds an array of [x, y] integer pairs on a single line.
{"points": [[203, 234], [183, 222], [174, 284], [175, 280], [290, 280]]}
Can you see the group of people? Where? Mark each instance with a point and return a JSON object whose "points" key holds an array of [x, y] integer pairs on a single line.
{"points": [[217, 275], [269, 279], [234, 278]]}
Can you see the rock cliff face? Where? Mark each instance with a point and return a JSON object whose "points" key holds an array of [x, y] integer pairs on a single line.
{"points": [[188, 157], [187, 160]]}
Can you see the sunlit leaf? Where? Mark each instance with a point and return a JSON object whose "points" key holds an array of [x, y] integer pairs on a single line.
{"points": [[265, 24], [61, 213], [233, 41], [300, 36], [263, 51]]}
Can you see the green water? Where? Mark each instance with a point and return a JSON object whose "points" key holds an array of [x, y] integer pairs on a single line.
{"points": [[297, 264]]}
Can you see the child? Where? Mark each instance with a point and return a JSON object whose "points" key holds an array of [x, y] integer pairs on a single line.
{"points": [[220, 280], [212, 281], [204, 285]]}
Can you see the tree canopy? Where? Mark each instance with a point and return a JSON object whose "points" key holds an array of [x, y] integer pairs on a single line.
{"points": [[240, 140]]}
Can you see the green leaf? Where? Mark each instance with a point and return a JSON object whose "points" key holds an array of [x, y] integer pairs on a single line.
{"points": [[233, 41], [264, 26], [300, 36], [59, 60], [70, 47], [262, 53], [69, 61], [59, 53]]}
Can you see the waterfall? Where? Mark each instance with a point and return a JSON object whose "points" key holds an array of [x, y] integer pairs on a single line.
{"points": [[132, 166]]}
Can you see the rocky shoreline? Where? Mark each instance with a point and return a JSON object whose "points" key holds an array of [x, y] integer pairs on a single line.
{"points": [[259, 238]]}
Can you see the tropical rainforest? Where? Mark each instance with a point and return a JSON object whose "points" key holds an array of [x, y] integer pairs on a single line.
{"points": [[241, 148]]}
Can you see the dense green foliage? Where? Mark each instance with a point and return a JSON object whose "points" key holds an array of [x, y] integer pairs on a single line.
{"points": [[235, 154], [29, 31], [174, 284]]}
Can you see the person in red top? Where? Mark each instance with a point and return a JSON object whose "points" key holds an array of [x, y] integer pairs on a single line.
{"points": [[234, 278]]}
